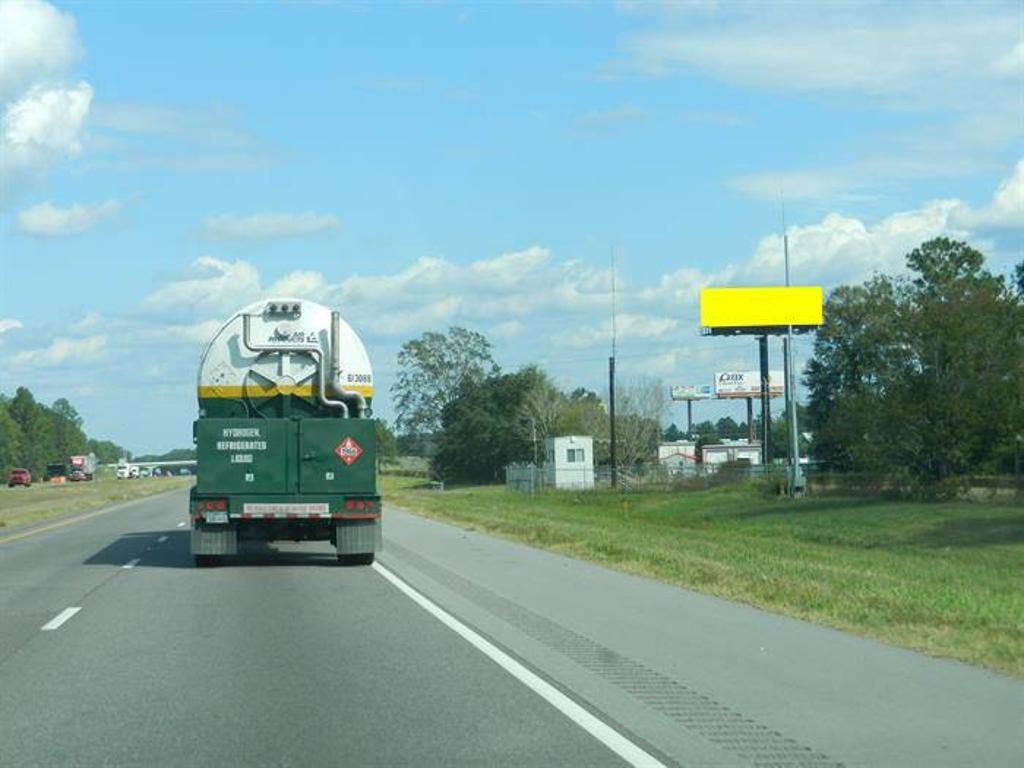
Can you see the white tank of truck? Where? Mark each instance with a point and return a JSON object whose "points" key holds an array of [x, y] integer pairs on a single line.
{"points": [[286, 347]]}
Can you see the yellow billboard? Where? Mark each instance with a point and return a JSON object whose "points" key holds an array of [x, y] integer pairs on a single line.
{"points": [[733, 310]]}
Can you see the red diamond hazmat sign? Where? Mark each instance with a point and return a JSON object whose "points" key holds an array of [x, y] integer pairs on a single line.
{"points": [[348, 451]]}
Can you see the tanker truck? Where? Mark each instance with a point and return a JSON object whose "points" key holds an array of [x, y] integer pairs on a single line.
{"points": [[285, 446]]}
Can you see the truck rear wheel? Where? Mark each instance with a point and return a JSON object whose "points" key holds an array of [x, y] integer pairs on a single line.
{"points": [[362, 558], [207, 561]]}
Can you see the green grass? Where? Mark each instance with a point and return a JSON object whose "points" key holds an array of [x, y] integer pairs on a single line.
{"points": [[23, 506], [946, 579]]}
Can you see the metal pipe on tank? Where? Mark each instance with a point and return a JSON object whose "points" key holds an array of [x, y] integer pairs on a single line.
{"points": [[335, 347], [360, 401], [315, 352]]}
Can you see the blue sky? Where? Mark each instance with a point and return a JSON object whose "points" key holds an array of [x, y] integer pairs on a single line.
{"points": [[419, 166]]}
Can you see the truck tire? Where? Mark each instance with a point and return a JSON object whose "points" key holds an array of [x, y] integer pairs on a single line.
{"points": [[207, 561], [362, 558]]}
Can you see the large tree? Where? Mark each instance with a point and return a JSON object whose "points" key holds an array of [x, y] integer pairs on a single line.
{"points": [[432, 371], [479, 435], [10, 439], [68, 437], [640, 407], [36, 429], [539, 414], [920, 376]]}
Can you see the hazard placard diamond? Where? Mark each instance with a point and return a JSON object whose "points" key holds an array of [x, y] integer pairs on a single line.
{"points": [[348, 451]]}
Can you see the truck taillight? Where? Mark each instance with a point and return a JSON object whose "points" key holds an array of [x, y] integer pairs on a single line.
{"points": [[213, 504], [359, 504]]}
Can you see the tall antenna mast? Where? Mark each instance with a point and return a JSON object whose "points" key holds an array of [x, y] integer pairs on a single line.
{"points": [[611, 389], [614, 329], [793, 449]]}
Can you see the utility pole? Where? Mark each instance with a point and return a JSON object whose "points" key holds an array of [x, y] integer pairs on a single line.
{"points": [[689, 417], [611, 419], [766, 406]]}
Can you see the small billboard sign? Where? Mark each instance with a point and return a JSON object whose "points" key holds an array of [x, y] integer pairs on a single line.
{"points": [[739, 384], [692, 392]]}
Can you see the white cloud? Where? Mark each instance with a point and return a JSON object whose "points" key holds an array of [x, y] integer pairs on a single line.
{"points": [[37, 43], [627, 326], [47, 220], [62, 350], [89, 321], [265, 226], [961, 66], [911, 54], [509, 329], [310, 285], [9, 324], [212, 285], [1010, 63], [1006, 211], [40, 129]]}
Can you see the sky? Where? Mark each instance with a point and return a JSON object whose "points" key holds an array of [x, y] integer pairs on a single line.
{"points": [[419, 166]]}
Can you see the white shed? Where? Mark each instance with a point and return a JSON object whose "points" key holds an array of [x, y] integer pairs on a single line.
{"points": [[678, 455], [732, 450], [569, 462]]}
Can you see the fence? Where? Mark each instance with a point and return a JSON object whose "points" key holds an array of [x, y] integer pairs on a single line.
{"points": [[528, 478]]}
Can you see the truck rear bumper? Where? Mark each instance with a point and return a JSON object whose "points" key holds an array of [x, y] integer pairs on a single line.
{"points": [[351, 536], [214, 539]]}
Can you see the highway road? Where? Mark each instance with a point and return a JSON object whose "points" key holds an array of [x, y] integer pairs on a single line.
{"points": [[456, 649]]}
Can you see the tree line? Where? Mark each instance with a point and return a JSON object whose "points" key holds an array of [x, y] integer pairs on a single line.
{"points": [[917, 377], [33, 434], [920, 377], [455, 405]]}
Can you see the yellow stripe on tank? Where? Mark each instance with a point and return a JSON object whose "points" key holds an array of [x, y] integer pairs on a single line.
{"points": [[234, 392]]}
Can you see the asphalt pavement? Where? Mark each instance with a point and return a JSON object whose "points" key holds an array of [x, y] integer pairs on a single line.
{"points": [[457, 649]]}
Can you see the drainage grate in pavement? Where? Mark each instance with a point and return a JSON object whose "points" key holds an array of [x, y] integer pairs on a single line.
{"points": [[700, 714]]}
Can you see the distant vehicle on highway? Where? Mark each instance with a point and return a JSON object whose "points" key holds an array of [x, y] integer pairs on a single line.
{"points": [[184, 471], [77, 475], [143, 472], [56, 471], [19, 476], [86, 464]]}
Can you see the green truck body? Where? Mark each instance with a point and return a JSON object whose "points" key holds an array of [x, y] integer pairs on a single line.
{"points": [[279, 461]]}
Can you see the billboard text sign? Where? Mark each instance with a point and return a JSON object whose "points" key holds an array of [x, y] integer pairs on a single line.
{"points": [[746, 384], [692, 392]]}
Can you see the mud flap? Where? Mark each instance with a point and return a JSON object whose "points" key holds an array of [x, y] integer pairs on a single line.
{"points": [[214, 540], [359, 537]]}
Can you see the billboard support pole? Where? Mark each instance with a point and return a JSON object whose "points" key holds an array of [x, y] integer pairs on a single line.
{"points": [[689, 417], [750, 420], [766, 408]]}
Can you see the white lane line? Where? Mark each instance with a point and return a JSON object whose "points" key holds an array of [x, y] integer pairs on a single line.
{"points": [[161, 540], [615, 741], [131, 563], [60, 618], [181, 524]]}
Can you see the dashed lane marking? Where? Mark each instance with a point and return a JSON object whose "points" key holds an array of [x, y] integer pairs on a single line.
{"points": [[60, 618]]}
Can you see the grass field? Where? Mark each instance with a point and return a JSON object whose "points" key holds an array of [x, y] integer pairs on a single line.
{"points": [[21, 506], [946, 579]]}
